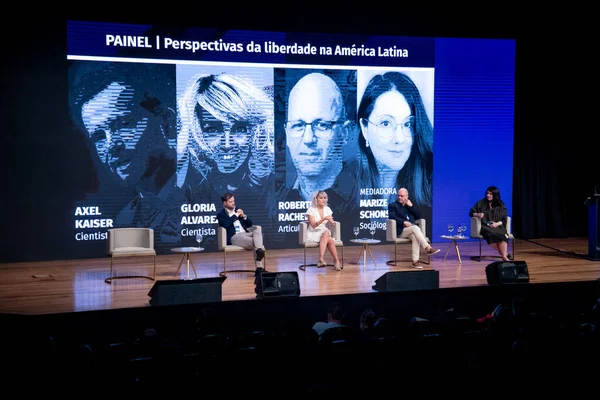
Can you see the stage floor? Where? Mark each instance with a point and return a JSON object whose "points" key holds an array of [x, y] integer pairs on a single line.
{"points": [[36, 288]]}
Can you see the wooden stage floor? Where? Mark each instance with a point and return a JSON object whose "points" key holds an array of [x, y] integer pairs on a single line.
{"points": [[64, 286]]}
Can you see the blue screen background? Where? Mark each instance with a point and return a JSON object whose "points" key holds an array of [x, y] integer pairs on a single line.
{"points": [[474, 126]]}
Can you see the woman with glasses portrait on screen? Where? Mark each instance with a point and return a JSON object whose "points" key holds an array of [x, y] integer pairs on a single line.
{"points": [[396, 140]]}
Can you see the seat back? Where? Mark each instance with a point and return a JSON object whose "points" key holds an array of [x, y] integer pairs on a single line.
{"points": [[339, 334], [475, 228], [221, 238], [303, 233], [336, 232], [130, 237], [390, 229]]}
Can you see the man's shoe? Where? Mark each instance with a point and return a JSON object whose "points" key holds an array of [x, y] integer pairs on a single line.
{"points": [[433, 251], [260, 254], [416, 265], [337, 267]]}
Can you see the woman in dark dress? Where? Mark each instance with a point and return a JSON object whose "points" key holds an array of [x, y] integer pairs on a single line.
{"points": [[493, 214]]}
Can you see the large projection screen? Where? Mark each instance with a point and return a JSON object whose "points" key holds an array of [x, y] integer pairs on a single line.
{"points": [[175, 118]]}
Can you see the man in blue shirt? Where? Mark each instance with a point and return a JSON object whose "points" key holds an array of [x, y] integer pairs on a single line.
{"points": [[406, 214]]}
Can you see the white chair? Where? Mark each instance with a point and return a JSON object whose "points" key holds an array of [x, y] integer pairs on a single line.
{"points": [[307, 244], [475, 234], [130, 242], [391, 236], [230, 248]]}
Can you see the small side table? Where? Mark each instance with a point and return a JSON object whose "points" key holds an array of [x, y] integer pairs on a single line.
{"points": [[186, 256], [454, 242], [365, 248]]}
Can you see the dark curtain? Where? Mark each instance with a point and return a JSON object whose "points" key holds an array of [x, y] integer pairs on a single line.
{"points": [[555, 150]]}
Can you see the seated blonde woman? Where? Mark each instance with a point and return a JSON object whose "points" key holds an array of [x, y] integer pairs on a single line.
{"points": [[320, 221]]}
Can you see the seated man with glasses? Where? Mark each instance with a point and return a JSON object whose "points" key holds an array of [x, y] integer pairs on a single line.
{"points": [[316, 132], [405, 213]]}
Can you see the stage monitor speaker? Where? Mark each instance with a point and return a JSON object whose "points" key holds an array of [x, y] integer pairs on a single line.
{"points": [[503, 272], [277, 284], [205, 290], [408, 280]]}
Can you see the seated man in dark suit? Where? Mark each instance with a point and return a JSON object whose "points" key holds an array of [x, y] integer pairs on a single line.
{"points": [[405, 214], [240, 231]]}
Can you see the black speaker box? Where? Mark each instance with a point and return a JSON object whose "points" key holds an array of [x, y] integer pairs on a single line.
{"points": [[502, 272], [408, 280], [205, 290], [277, 284]]}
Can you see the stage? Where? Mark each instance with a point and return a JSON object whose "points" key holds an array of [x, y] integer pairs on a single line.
{"points": [[67, 286]]}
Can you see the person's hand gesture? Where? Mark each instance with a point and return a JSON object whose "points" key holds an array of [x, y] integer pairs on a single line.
{"points": [[407, 224], [408, 203], [240, 213]]}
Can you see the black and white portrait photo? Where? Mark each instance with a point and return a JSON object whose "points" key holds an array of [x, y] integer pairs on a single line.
{"points": [[395, 115], [225, 142], [127, 114], [316, 135]]}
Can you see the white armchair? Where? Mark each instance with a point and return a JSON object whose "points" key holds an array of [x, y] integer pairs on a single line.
{"points": [[306, 244], [130, 242], [475, 234], [391, 236]]}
